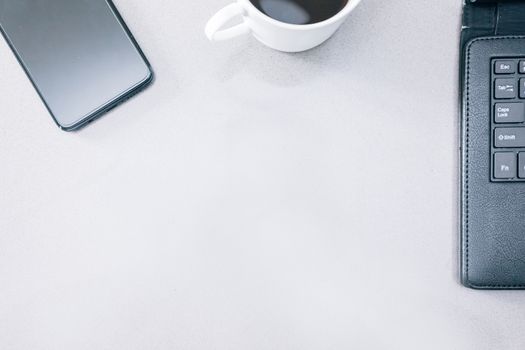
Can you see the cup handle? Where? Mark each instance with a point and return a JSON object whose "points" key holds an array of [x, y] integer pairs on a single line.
{"points": [[213, 27]]}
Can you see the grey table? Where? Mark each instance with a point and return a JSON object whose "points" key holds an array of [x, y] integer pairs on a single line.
{"points": [[249, 199]]}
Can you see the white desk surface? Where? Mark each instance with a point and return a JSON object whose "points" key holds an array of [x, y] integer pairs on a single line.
{"points": [[249, 199]]}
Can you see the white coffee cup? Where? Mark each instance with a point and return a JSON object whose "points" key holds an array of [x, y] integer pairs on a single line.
{"points": [[275, 34]]}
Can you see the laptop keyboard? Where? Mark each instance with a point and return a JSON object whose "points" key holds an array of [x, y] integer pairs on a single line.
{"points": [[508, 120]]}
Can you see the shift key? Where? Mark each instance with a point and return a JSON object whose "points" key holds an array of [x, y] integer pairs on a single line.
{"points": [[509, 137]]}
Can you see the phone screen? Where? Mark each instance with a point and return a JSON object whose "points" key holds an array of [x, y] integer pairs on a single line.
{"points": [[78, 54]]}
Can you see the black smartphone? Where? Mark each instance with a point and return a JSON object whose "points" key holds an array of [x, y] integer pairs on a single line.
{"points": [[79, 55]]}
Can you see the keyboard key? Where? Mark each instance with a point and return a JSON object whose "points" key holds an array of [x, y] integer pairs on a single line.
{"points": [[522, 67], [504, 165], [505, 67], [505, 88], [509, 137], [509, 113], [522, 88], [521, 165]]}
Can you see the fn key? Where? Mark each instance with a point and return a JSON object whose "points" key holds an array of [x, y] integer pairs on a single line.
{"points": [[505, 165]]}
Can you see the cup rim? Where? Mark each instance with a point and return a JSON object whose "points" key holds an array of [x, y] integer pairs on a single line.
{"points": [[350, 5]]}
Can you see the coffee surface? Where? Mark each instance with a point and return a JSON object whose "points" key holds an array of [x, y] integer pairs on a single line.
{"points": [[300, 11]]}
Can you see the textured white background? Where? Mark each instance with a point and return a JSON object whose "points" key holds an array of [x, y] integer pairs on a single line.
{"points": [[249, 199]]}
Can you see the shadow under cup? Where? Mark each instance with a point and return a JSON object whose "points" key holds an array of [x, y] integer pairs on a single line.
{"points": [[300, 11]]}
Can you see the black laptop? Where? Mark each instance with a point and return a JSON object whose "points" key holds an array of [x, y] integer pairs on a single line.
{"points": [[493, 145]]}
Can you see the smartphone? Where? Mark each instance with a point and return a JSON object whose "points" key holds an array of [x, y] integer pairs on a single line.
{"points": [[79, 55]]}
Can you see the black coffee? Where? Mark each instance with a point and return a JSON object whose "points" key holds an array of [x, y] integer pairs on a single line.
{"points": [[300, 11]]}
